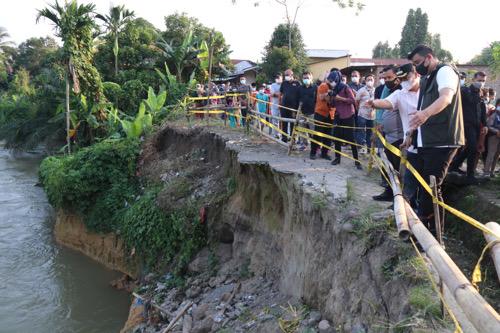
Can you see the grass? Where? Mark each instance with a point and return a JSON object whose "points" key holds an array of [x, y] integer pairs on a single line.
{"points": [[423, 298]]}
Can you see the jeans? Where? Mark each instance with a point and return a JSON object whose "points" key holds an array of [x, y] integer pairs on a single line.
{"points": [[364, 134], [432, 162], [324, 130], [468, 152], [346, 134]]}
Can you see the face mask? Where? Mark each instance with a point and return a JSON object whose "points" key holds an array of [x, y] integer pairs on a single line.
{"points": [[369, 84], [243, 81], [261, 91], [287, 78], [478, 85], [462, 82], [498, 108], [390, 84], [306, 81], [355, 79], [278, 80], [406, 85], [381, 81], [421, 69]]}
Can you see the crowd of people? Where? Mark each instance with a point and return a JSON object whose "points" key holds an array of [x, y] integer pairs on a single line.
{"points": [[423, 107]]}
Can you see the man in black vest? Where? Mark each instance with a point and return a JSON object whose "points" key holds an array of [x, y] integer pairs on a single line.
{"points": [[438, 124]]}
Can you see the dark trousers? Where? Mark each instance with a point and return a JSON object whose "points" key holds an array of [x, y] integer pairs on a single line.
{"points": [[432, 162], [346, 134], [285, 113], [324, 130], [468, 152], [394, 160]]}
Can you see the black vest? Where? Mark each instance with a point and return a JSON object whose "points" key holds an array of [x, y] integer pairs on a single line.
{"points": [[447, 127]]}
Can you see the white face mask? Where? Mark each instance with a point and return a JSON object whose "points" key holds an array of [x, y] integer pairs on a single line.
{"points": [[355, 79], [261, 91], [462, 82], [410, 84], [369, 83], [277, 80], [287, 78], [243, 81], [498, 108], [381, 81]]}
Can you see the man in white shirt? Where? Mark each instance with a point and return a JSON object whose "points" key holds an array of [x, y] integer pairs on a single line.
{"points": [[275, 100], [366, 115], [439, 124], [405, 102]]}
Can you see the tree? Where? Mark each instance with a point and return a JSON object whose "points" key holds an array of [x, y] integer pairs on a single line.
{"points": [[35, 53], [178, 26], [384, 50], [434, 41], [4, 42], [75, 26], [295, 58], [114, 22], [414, 31], [489, 56]]}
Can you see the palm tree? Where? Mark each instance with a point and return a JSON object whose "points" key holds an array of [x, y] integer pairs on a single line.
{"points": [[3, 36], [74, 24], [114, 23]]}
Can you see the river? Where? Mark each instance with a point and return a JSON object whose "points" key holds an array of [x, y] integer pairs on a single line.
{"points": [[45, 287]]}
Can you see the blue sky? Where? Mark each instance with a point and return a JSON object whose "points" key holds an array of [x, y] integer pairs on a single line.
{"points": [[465, 26]]}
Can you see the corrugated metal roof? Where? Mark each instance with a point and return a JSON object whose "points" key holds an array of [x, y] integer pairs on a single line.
{"points": [[326, 53]]}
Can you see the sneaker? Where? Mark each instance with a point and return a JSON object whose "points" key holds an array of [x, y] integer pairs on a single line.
{"points": [[336, 161], [358, 166], [384, 196], [312, 157]]}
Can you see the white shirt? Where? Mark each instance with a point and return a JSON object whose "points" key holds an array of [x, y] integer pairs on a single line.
{"points": [[445, 78], [364, 94], [275, 89], [405, 102]]}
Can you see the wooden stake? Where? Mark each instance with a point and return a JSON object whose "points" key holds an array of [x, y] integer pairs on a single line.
{"points": [[478, 311], [177, 317], [292, 139], [495, 249]]}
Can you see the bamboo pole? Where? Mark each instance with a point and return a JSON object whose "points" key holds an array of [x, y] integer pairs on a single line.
{"points": [[439, 234], [478, 311], [399, 201], [495, 249], [292, 139], [177, 317]]}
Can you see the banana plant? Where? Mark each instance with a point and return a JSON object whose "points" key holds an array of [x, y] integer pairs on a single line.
{"points": [[142, 123], [155, 103]]}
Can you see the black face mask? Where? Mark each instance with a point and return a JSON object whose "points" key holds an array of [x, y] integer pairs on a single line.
{"points": [[422, 70], [391, 84]]}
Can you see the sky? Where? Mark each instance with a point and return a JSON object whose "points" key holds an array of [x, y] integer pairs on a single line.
{"points": [[466, 27]]}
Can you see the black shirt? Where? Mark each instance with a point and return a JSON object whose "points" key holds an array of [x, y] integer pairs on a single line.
{"points": [[307, 96], [290, 94], [378, 91], [472, 107]]}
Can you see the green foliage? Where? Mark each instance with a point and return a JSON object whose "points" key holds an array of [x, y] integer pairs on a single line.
{"points": [[434, 41], [142, 123], [177, 27], [176, 90], [384, 50], [414, 31], [278, 56], [35, 53], [159, 237], [424, 298], [102, 173]]}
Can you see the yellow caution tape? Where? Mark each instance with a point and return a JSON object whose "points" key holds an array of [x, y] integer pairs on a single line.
{"points": [[306, 130], [458, 329], [207, 111], [327, 147], [427, 188], [201, 98], [271, 125], [476, 273]]}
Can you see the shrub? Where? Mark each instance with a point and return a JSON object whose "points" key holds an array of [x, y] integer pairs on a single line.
{"points": [[95, 181]]}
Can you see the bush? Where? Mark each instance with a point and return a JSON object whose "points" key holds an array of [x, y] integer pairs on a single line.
{"points": [[159, 237], [96, 182]]}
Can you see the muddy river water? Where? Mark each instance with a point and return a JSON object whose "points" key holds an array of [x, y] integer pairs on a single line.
{"points": [[45, 287]]}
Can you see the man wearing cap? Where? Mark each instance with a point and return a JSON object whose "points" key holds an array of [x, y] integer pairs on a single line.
{"points": [[438, 124], [405, 102]]}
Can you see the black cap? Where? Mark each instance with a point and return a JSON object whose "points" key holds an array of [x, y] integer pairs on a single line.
{"points": [[463, 75], [404, 70]]}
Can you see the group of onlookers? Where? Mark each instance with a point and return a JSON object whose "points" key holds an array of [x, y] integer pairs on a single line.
{"points": [[424, 107]]}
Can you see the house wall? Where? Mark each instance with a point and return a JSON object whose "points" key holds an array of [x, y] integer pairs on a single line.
{"points": [[319, 66]]}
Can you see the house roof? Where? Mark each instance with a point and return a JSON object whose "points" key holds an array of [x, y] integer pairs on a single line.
{"points": [[367, 62], [326, 53], [244, 66]]}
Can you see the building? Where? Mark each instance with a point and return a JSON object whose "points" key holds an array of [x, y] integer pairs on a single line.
{"points": [[367, 66], [246, 68], [322, 60]]}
